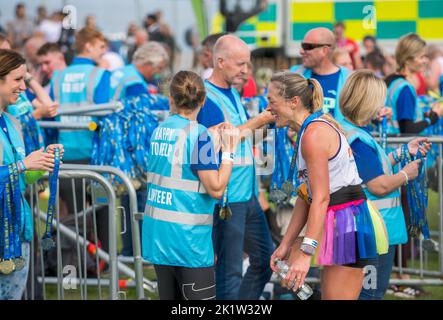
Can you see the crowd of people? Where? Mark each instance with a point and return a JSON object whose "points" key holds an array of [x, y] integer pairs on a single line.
{"points": [[205, 206]]}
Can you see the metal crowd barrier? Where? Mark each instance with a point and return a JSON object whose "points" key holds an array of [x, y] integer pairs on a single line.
{"points": [[76, 237], [87, 110], [427, 275]]}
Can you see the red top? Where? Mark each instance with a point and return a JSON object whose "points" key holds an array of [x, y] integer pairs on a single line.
{"points": [[421, 82], [250, 88], [349, 42]]}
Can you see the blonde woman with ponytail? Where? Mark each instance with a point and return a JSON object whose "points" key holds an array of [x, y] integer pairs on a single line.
{"points": [[331, 203]]}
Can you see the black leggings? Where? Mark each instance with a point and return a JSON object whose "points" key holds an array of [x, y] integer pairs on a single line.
{"points": [[181, 283]]}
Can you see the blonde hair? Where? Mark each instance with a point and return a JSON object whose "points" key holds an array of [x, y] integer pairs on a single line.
{"points": [[362, 97], [290, 85], [409, 46]]}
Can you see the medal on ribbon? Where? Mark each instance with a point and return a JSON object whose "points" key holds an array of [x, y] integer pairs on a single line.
{"points": [[7, 265], [276, 195], [417, 196], [288, 186], [18, 260], [47, 242], [225, 212]]}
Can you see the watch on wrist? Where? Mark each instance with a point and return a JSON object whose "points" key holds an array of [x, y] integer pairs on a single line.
{"points": [[307, 249]]}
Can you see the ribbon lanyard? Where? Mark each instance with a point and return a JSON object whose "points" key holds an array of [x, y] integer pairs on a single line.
{"points": [[10, 224], [47, 241], [417, 197], [383, 132], [31, 133], [225, 212], [276, 195], [288, 186]]}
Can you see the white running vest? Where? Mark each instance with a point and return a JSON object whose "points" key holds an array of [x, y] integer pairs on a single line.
{"points": [[342, 168]]}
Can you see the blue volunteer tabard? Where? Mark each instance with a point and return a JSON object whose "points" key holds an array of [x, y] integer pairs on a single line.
{"points": [[239, 189], [177, 227], [394, 90], [122, 79], [389, 205], [75, 86]]}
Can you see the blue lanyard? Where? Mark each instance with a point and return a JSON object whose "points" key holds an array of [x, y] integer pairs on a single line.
{"points": [[288, 186], [417, 197], [17, 205], [48, 243], [31, 133], [123, 140], [5, 128], [11, 216], [276, 195], [383, 128]]}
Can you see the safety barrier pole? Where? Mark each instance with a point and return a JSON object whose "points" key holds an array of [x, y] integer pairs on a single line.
{"points": [[134, 217], [423, 256]]}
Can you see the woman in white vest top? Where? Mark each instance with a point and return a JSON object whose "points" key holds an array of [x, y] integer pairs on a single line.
{"points": [[340, 228]]}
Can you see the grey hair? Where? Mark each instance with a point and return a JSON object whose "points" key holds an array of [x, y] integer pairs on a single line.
{"points": [[152, 53]]}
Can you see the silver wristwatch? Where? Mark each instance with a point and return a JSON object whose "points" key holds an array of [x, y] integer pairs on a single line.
{"points": [[307, 249]]}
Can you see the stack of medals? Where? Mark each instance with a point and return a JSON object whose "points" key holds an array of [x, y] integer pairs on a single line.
{"points": [[281, 192], [10, 216], [417, 195], [47, 242], [426, 102], [123, 141]]}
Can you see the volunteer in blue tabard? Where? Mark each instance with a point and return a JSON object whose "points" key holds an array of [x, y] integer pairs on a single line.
{"points": [[130, 82], [81, 83], [361, 99], [317, 53], [14, 166], [247, 230], [184, 179], [407, 116]]}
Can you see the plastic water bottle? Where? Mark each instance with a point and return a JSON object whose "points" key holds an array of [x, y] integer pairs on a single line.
{"points": [[304, 292]]}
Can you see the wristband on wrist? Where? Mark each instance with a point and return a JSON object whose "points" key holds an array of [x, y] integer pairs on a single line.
{"points": [[21, 166], [406, 176], [228, 156], [310, 242]]}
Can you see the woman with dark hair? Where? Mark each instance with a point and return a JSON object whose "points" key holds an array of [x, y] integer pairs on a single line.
{"points": [[15, 215], [184, 179]]}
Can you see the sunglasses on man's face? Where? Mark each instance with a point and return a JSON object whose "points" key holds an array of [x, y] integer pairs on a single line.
{"points": [[311, 46]]}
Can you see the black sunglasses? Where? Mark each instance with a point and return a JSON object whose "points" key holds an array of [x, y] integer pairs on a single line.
{"points": [[310, 46]]}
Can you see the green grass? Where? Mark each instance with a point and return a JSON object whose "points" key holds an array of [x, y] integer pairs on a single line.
{"points": [[433, 292]]}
